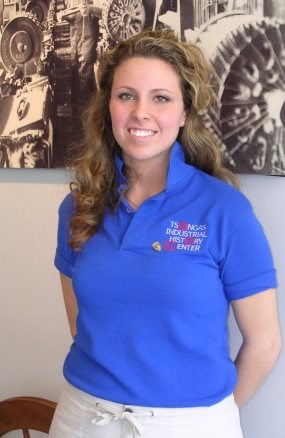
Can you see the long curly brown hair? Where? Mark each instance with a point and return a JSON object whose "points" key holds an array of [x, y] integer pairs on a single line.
{"points": [[94, 185]]}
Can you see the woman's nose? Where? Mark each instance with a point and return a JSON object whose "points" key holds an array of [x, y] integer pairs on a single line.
{"points": [[140, 110]]}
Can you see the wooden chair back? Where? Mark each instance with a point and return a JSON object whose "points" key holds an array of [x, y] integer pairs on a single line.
{"points": [[26, 413]]}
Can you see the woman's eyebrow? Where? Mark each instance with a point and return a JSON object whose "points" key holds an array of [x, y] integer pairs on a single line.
{"points": [[154, 90]]}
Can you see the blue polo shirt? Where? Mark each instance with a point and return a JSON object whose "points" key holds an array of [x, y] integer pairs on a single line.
{"points": [[153, 288]]}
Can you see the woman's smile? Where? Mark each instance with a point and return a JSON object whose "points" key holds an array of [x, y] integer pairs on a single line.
{"points": [[142, 132]]}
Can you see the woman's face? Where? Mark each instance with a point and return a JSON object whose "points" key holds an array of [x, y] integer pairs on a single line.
{"points": [[146, 108]]}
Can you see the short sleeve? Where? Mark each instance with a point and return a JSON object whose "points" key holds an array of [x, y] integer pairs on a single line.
{"points": [[64, 256], [247, 267]]}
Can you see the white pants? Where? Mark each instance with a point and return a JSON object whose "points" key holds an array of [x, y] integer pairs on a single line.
{"points": [[80, 415]]}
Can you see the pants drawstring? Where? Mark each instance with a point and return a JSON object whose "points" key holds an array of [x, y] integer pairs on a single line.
{"points": [[131, 428]]}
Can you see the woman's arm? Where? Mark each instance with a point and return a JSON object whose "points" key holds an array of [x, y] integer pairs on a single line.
{"points": [[70, 302], [257, 319]]}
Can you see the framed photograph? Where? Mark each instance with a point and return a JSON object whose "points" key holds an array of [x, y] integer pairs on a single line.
{"points": [[48, 57]]}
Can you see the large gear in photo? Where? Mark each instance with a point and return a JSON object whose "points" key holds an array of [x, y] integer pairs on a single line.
{"points": [[123, 18], [248, 56], [21, 44]]}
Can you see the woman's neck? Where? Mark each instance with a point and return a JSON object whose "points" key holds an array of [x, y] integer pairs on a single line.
{"points": [[145, 180]]}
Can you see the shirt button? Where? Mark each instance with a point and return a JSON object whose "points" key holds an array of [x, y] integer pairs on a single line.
{"points": [[128, 210]]}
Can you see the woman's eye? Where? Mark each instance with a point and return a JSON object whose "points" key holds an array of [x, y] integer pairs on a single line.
{"points": [[126, 96], [161, 99]]}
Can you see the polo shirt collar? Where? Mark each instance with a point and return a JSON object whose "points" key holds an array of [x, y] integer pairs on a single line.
{"points": [[178, 170]]}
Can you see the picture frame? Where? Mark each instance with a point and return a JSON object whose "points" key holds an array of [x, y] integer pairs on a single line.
{"points": [[49, 51]]}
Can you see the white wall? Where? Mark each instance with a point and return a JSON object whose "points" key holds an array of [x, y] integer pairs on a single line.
{"points": [[34, 333]]}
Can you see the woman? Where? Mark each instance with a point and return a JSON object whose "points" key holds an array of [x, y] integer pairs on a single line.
{"points": [[153, 245]]}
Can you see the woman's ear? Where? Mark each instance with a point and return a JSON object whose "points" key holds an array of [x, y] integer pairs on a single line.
{"points": [[183, 119]]}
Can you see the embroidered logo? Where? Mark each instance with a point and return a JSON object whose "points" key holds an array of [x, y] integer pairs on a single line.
{"points": [[183, 236]]}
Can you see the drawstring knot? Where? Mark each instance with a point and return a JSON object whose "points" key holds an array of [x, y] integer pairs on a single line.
{"points": [[132, 428]]}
